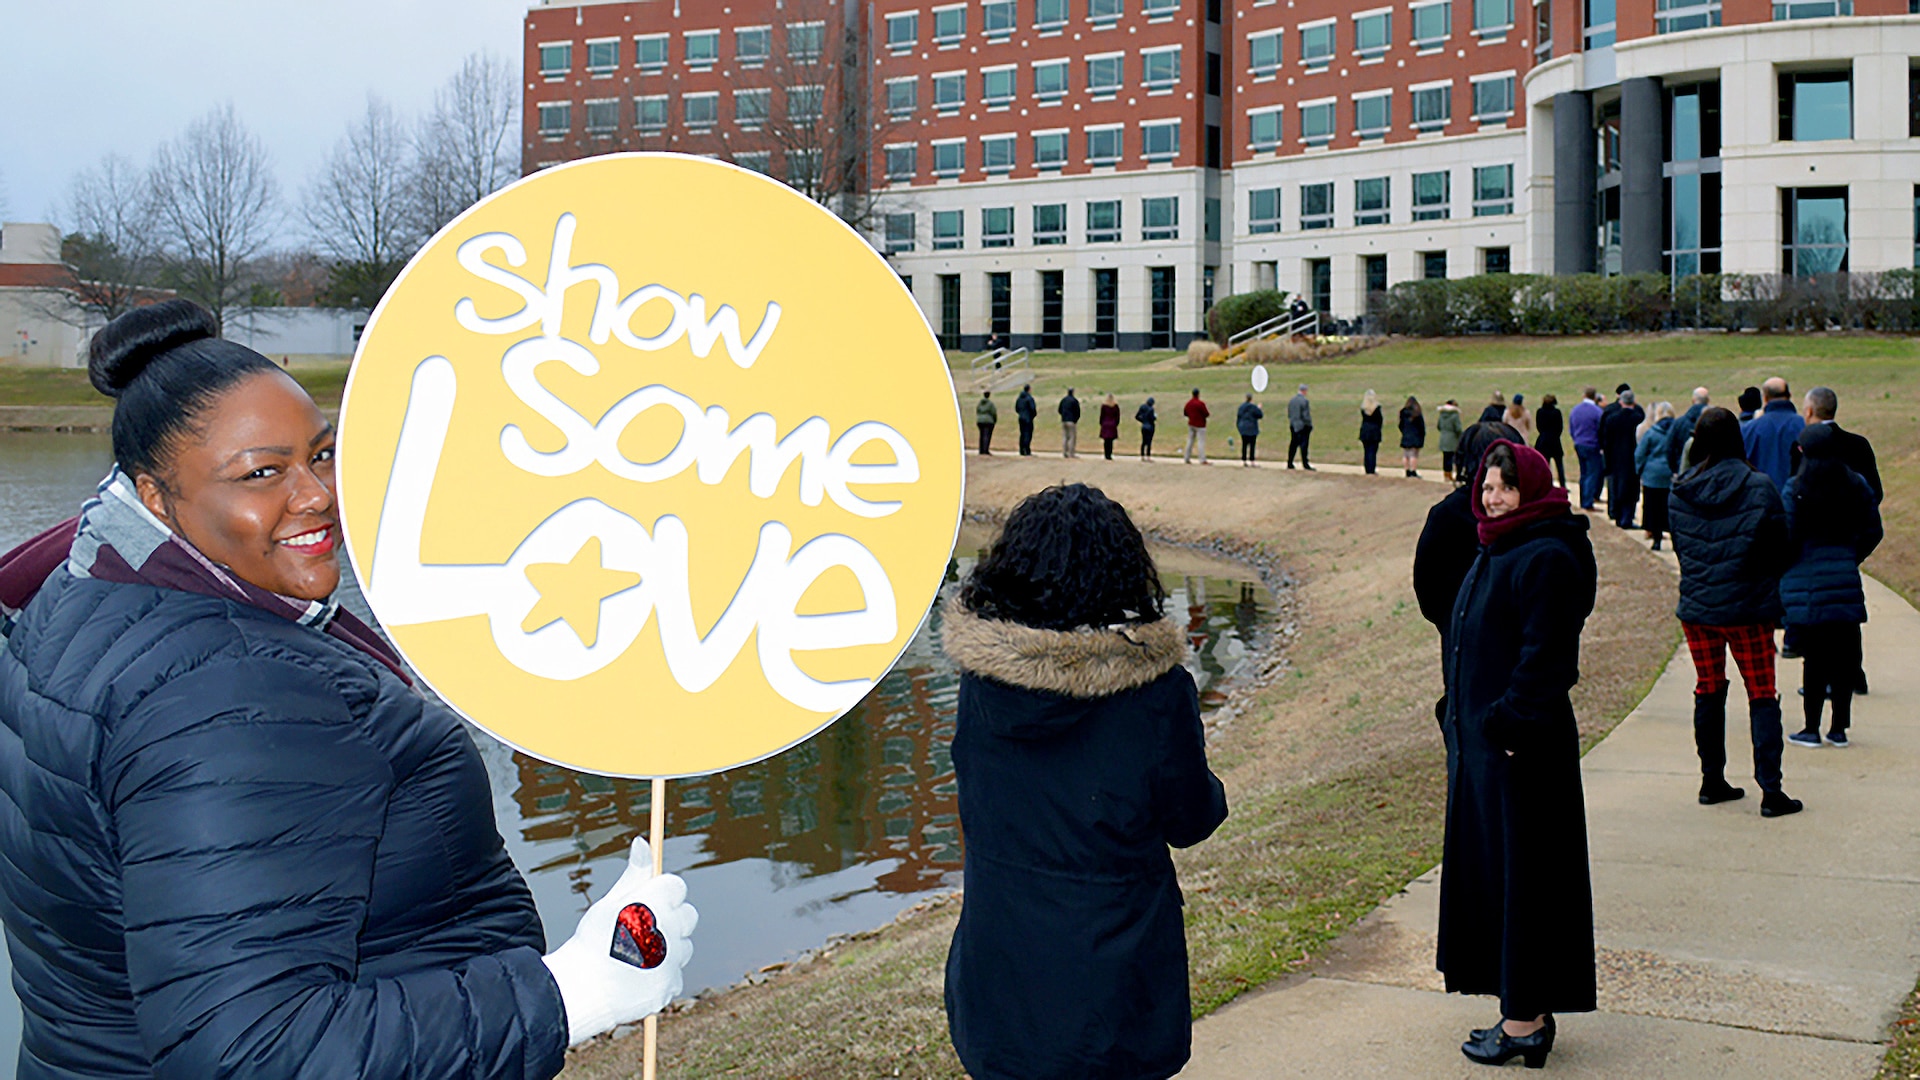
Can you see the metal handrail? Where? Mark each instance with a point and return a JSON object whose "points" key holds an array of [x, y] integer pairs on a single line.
{"points": [[991, 369], [1253, 332]]}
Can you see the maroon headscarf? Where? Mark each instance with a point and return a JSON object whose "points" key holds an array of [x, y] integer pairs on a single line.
{"points": [[1539, 498]]}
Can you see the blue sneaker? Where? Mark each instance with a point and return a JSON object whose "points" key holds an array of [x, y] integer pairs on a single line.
{"points": [[1838, 738], [1809, 739]]}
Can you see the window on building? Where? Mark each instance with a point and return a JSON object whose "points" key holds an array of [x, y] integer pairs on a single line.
{"points": [[1103, 11], [1372, 201], [603, 56], [1496, 260], [1600, 23], [1106, 308], [752, 107], [1105, 144], [949, 309], [903, 96], [997, 18], [702, 110], [1263, 53], [752, 45], [899, 233], [1263, 211], [1050, 80], [903, 30], [903, 162], [1492, 190], [949, 24], [1916, 219], [1049, 149], [1432, 196], [603, 116], [996, 227], [1493, 98], [760, 161], [1673, 16], [1105, 74], [949, 91], [1816, 106], [1316, 206], [1160, 140], [1160, 68], [996, 153], [1811, 9], [1263, 129], [1814, 222], [703, 46], [1372, 33], [806, 104], [1210, 223], [1913, 97], [1049, 223], [1432, 24], [1432, 106], [1049, 14], [1373, 115], [1160, 7], [1374, 269], [1317, 45], [997, 86], [1316, 123], [556, 60], [650, 112], [949, 230], [806, 41], [950, 157], [1053, 308], [1103, 221], [1433, 265], [556, 118], [650, 52], [1542, 31], [1693, 179], [1160, 218], [1000, 303], [1494, 17]]}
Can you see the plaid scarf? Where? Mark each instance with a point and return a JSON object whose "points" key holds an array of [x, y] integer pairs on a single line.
{"points": [[116, 538]]}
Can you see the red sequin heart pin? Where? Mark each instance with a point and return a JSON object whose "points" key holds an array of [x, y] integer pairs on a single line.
{"points": [[637, 938]]}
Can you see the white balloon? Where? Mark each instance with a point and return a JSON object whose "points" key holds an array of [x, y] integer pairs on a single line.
{"points": [[1260, 378]]}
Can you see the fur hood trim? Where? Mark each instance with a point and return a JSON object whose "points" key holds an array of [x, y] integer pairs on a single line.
{"points": [[1089, 663]]}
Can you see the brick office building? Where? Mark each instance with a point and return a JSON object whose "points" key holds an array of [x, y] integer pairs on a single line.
{"points": [[1093, 173]]}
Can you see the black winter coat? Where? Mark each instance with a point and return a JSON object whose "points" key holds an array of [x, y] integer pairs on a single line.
{"points": [[1730, 535], [235, 847], [1549, 425], [1413, 430], [1070, 410], [1516, 897], [1620, 437], [1080, 758], [1371, 425], [1448, 545], [1823, 584], [1024, 407]]}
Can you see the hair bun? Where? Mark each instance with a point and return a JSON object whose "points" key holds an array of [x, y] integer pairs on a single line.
{"points": [[124, 347]]}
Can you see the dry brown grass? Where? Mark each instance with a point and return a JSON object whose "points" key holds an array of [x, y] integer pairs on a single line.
{"points": [[1333, 767]]}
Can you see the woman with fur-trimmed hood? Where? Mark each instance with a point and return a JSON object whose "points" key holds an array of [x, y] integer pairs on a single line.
{"points": [[1080, 758]]}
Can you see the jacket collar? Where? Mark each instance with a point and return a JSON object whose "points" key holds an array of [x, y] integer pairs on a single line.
{"points": [[1087, 663]]}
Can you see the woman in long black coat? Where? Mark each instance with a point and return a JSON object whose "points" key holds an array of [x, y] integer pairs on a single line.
{"points": [[1080, 758], [1516, 899]]}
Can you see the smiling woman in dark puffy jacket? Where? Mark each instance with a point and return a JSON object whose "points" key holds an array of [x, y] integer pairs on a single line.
{"points": [[1080, 758], [236, 841]]}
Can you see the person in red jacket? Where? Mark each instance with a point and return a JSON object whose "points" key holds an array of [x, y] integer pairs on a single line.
{"points": [[1196, 427], [1109, 423]]}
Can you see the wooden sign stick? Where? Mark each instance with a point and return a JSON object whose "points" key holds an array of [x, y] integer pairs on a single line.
{"points": [[657, 839]]}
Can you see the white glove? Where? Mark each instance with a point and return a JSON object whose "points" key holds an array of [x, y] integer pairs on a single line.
{"points": [[601, 991]]}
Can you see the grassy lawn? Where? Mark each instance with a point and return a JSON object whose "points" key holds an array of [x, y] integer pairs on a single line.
{"points": [[326, 380]]}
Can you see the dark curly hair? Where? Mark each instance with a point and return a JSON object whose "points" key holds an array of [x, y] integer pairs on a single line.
{"points": [[1068, 557]]}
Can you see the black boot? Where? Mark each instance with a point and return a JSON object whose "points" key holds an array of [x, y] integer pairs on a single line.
{"points": [[1769, 741], [1710, 742], [1777, 804], [1493, 1046]]}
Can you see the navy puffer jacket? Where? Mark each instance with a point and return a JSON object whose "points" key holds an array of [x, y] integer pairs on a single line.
{"points": [[1730, 534], [1823, 584], [237, 847]]}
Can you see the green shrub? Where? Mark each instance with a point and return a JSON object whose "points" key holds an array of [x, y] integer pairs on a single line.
{"points": [[1243, 311]]}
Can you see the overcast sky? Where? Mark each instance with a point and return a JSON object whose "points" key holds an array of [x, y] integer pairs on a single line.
{"points": [[78, 81]]}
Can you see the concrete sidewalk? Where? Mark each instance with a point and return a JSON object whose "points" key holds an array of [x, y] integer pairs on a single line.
{"points": [[1729, 945]]}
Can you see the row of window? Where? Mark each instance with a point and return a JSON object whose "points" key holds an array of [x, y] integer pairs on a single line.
{"points": [[699, 111], [1000, 18], [1372, 112], [1372, 35], [752, 46], [1051, 79], [1159, 220], [1373, 200], [1105, 145]]}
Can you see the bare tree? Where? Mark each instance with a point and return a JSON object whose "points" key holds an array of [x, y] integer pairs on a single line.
{"points": [[215, 204], [467, 147], [108, 245], [357, 207]]}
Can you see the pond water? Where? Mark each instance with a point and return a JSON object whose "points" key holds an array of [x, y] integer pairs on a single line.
{"points": [[834, 836]]}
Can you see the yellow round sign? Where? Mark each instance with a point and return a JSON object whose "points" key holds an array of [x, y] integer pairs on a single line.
{"points": [[650, 465]]}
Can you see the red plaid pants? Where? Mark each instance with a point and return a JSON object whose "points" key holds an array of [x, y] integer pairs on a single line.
{"points": [[1752, 648]]}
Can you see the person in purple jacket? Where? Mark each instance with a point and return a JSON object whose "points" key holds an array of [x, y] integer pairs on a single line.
{"points": [[1770, 435], [1583, 426]]}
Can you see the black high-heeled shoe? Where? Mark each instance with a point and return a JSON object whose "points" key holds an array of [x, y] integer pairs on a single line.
{"points": [[1493, 1046]]}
